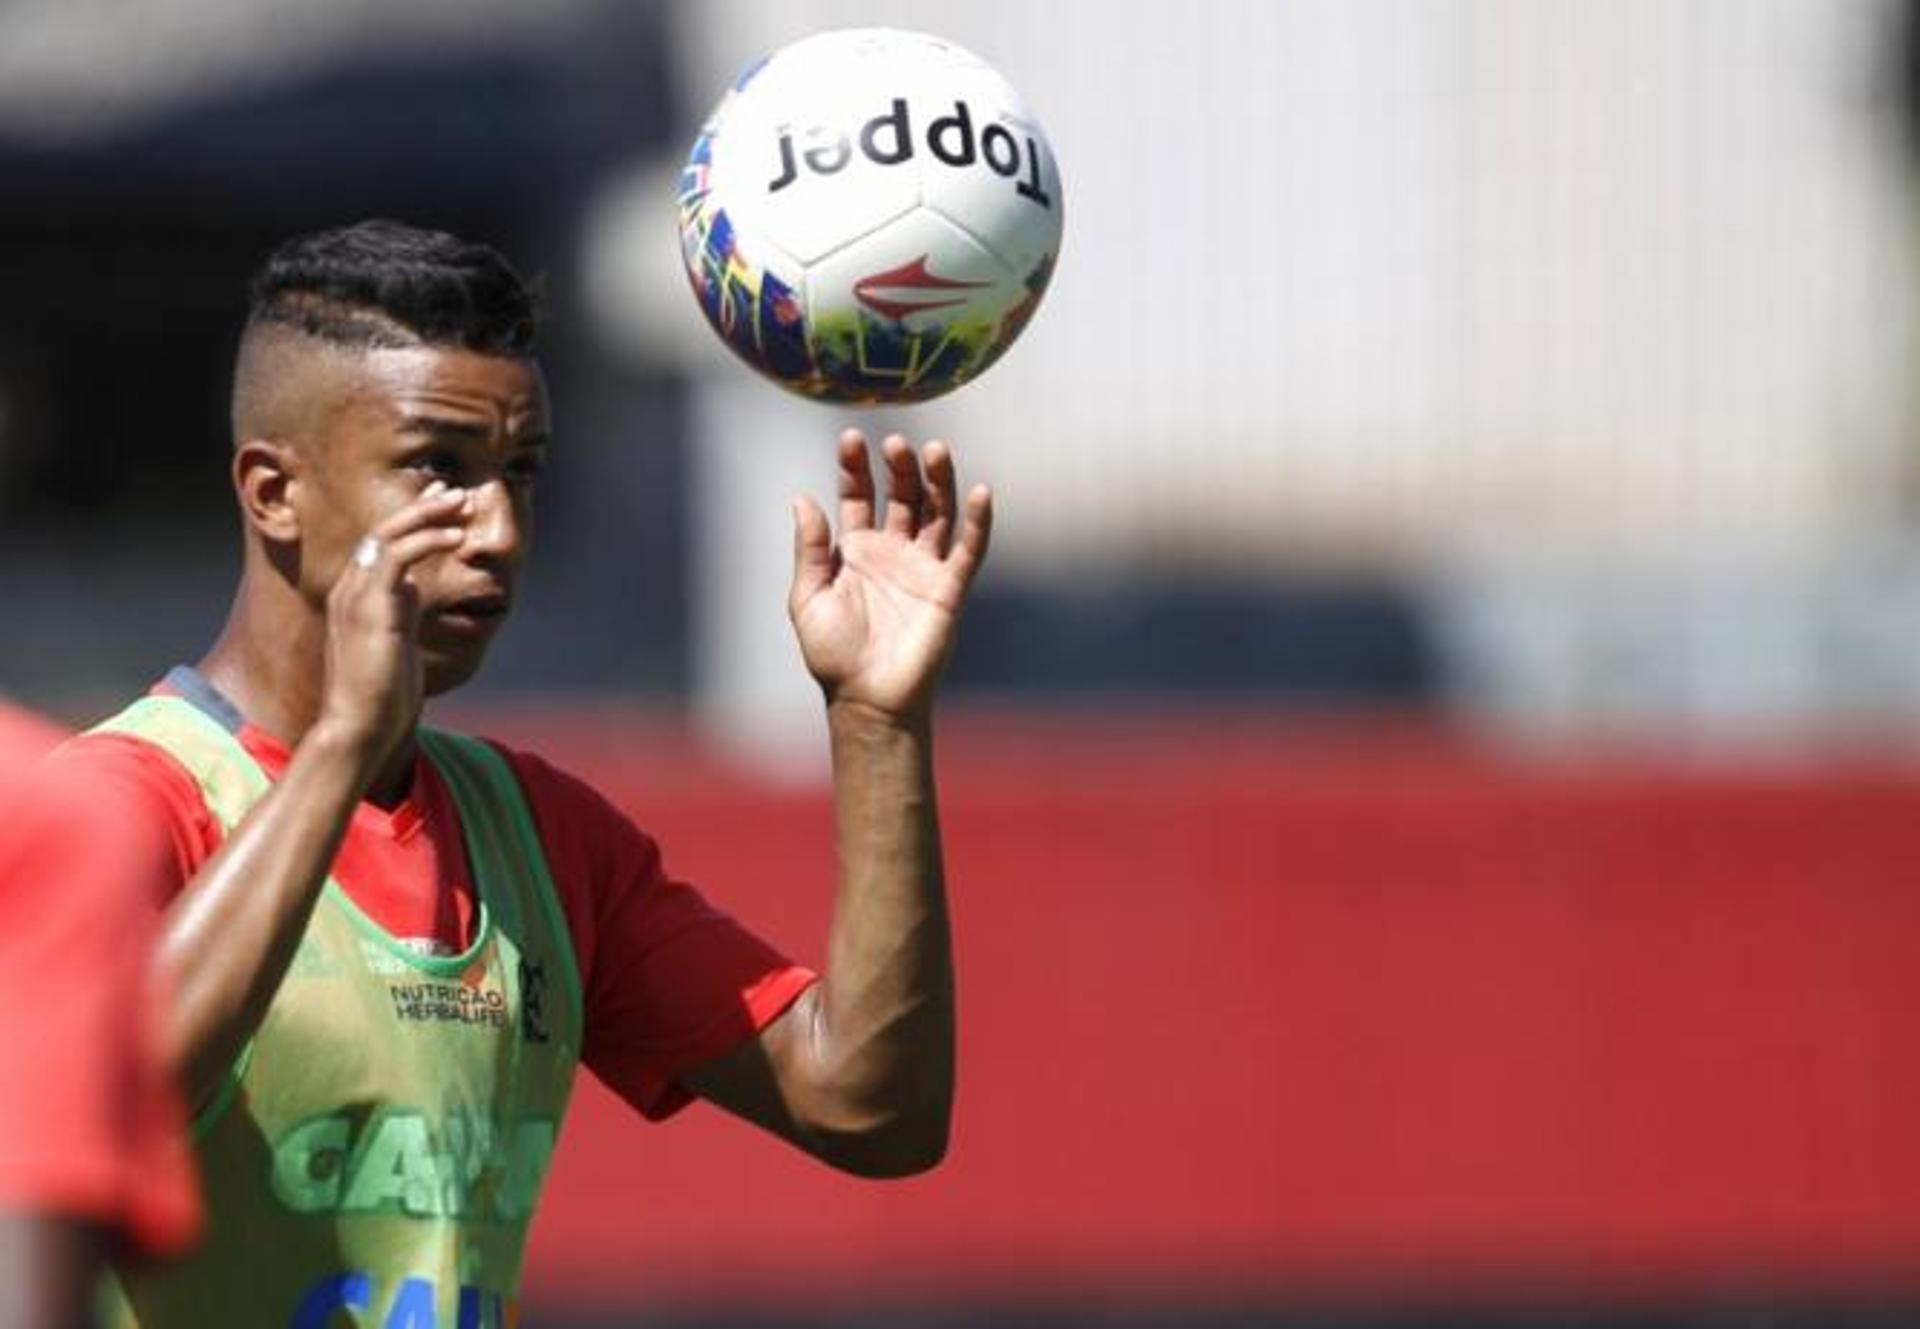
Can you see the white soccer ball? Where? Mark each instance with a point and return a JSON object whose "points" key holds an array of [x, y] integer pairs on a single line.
{"points": [[870, 216]]}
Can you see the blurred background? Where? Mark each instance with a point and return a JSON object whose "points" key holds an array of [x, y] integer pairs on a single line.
{"points": [[1432, 772]]}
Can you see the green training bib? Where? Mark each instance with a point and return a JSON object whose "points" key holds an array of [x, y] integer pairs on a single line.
{"points": [[377, 1152]]}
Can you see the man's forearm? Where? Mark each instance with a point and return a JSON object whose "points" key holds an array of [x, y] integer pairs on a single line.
{"points": [[884, 1018], [859, 1070], [228, 938]]}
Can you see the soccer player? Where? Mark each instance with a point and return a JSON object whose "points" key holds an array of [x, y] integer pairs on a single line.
{"points": [[391, 945], [91, 1155]]}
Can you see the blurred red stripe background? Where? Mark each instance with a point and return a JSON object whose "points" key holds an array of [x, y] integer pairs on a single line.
{"points": [[1267, 1007]]}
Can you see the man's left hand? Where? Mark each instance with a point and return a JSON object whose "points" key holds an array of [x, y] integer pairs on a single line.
{"points": [[876, 612]]}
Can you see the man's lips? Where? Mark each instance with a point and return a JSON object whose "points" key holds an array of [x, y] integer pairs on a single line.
{"points": [[474, 613]]}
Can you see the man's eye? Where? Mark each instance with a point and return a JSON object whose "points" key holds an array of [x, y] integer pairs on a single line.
{"points": [[441, 465], [525, 470]]}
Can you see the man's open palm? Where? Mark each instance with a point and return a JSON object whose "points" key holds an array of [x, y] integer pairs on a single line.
{"points": [[876, 612]]}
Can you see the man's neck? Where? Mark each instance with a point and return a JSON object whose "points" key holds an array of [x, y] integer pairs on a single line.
{"points": [[274, 679]]}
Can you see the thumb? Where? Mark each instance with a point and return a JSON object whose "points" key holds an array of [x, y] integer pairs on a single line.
{"points": [[812, 549]]}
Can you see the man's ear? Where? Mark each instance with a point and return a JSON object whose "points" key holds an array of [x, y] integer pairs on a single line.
{"points": [[265, 474]]}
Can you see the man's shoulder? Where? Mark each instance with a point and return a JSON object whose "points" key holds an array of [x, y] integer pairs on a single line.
{"points": [[536, 773], [559, 798]]}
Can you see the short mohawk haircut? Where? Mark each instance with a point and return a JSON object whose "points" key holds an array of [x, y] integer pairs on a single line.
{"points": [[386, 284]]}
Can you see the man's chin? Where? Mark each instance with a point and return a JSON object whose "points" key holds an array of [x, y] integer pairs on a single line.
{"points": [[443, 671]]}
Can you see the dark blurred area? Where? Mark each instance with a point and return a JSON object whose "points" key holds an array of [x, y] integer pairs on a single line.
{"points": [[126, 258]]}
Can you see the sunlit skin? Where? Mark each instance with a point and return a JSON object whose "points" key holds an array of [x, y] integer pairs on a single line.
{"points": [[391, 422], [474, 423], [434, 453]]}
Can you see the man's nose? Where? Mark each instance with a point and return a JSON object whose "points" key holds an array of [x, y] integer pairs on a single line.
{"points": [[495, 528]]}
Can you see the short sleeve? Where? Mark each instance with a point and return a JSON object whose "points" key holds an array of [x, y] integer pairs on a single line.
{"points": [[90, 1128], [670, 981]]}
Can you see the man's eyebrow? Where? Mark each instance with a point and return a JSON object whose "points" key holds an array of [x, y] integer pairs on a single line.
{"points": [[444, 427]]}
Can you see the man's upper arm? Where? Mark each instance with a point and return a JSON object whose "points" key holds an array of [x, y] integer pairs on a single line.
{"points": [[750, 1079]]}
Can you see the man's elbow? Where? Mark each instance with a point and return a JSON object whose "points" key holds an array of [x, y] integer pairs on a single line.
{"points": [[881, 1116], [880, 1133], [891, 1150]]}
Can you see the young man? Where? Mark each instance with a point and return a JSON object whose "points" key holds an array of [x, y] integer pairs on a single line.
{"points": [[388, 945], [91, 1158]]}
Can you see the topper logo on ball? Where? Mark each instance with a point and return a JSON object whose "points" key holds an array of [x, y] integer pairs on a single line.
{"points": [[888, 140]]}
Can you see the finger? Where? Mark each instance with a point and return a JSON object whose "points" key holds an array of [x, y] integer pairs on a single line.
{"points": [[904, 491], [812, 549], [435, 505], [398, 556], [975, 534], [856, 483], [942, 502]]}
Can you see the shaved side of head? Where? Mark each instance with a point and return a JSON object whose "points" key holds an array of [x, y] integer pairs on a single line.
{"points": [[288, 384]]}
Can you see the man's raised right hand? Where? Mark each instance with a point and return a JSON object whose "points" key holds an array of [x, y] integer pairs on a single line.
{"points": [[374, 686]]}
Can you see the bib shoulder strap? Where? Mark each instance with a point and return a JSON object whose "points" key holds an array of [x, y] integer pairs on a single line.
{"points": [[494, 814], [230, 780]]}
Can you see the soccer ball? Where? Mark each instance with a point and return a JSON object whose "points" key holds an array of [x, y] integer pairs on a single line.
{"points": [[870, 216]]}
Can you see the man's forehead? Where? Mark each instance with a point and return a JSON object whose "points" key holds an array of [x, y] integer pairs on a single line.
{"points": [[414, 380]]}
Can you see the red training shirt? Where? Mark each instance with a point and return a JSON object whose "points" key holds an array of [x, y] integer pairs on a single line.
{"points": [[90, 1128], [668, 980]]}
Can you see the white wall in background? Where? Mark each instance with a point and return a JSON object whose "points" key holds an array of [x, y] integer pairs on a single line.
{"points": [[1346, 279], [1591, 316], [75, 69]]}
